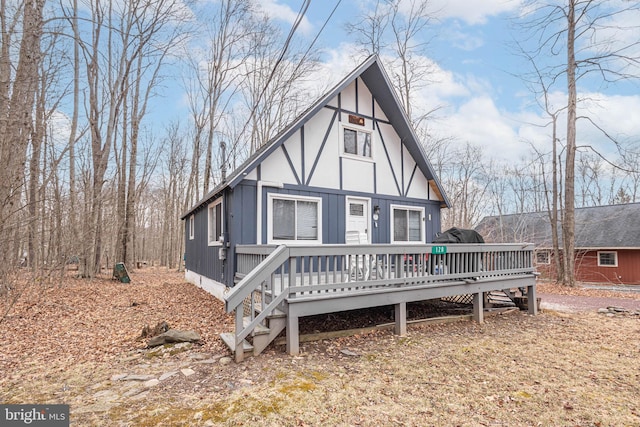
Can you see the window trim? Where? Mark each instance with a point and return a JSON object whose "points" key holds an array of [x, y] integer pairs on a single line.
{"points": [[547, 253], [615, 253], [423, 225], [216, 241], [192, 226], [356, 128], [271, 197]]}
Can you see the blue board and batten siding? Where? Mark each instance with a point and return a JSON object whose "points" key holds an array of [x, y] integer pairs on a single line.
{"points": [[309, 159], [201, 257], [240, 224]]}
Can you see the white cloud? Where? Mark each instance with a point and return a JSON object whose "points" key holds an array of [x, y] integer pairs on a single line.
{"points": [[278, 11], [473, 12], [479, 122]]}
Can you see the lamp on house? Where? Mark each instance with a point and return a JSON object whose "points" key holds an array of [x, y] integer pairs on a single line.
{"points": [[376, 215]]}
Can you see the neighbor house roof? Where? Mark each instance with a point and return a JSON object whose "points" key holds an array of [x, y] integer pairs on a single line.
{"points": [[610, 227], [374, 76]]}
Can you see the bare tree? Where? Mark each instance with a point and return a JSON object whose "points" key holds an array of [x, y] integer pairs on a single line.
{"points": [[399, 28], [17, 99], [467, 183], [214, 77], [576, 40]]}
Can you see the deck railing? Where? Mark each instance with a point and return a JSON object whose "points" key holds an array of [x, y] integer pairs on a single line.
{"points": [[269, 275]]}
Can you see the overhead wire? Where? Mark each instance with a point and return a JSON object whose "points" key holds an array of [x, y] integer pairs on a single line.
{"points": [[285, 48], [296, 24]]}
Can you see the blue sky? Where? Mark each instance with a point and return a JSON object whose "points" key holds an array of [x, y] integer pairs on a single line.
{"points": [[476, 85]]}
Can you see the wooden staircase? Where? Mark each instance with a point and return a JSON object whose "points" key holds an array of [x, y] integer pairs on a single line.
{"points": [[261, 336]]}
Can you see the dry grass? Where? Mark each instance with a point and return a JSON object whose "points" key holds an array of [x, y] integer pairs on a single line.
{"points": [[554, 369]]}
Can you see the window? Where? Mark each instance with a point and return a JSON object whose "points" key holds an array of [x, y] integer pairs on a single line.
{"points": [[356, 142], [407, 224], [542, 257], [215, 222], [192, 224], [294, 219], [356, 209], [607, 259]]}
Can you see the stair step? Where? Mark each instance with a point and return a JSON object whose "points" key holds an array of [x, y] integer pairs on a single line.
{"points": [[275, 314], [230, 340], [258, 330]]}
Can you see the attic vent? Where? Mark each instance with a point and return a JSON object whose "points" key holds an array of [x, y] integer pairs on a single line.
{"points": [[356, 120]]}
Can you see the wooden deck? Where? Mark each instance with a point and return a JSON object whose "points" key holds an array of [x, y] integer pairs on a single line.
{"points": [[289, 282]]}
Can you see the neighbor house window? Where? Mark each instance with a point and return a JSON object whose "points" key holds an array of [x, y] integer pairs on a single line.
{"points": [[607, 259], [356, 142], [192, 225], [407, 224], [294, 219], [215, 222], [543, 257]]}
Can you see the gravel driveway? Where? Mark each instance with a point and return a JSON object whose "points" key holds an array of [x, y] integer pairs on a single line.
{"points": [[583, 303]]}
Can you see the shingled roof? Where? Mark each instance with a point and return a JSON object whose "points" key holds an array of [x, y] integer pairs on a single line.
{"points": [[610, 227]]}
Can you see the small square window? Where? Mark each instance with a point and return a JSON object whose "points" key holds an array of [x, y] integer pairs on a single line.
{"points": [[356, 142], [543, 257], [607, 259], [356, 209]]}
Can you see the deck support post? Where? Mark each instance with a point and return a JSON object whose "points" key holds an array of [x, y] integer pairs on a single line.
{"points": [[293, 335], [478, 307], [400, 316], [239, 349], [532, 300]]}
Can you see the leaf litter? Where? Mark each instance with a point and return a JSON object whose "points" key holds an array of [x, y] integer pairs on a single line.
{"points": [[72, 342]]}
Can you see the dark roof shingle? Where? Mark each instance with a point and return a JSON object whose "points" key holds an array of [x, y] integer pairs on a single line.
{"points": [[613, 226]]}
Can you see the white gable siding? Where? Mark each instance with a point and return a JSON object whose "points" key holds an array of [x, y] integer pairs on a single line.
{"points": [[389, 162], [379, 113], [364, 101], [294, 150], [326, 170], [276, 168], [388, 172], [253, 175], [348, 97], [419, 186], [357, 175]]}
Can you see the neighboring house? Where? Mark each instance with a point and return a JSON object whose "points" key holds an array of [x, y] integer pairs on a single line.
{"points": [[607, 241], [351, 165]]}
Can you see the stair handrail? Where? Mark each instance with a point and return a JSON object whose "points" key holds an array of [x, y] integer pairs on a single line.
{"points": [[255, 277]]}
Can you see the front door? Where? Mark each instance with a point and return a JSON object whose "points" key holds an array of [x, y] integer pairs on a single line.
{"points": [[358, 218]]}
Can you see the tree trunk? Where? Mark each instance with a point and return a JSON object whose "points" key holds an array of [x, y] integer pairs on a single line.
{"points": [[569, 201], [16, 123]]}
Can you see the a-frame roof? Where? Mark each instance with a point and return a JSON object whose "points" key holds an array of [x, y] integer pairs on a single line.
{"points": [[606, 227], [373, 75]]}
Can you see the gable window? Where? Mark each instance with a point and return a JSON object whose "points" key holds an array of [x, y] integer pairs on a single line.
{"points": [[607, 259], [215, 222], [542, 257], [407, 224], [294, 219], [192, 225], [356, 142]]}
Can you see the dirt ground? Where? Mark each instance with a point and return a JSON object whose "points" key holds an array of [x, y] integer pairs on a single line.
{"points": [[76, 342]]}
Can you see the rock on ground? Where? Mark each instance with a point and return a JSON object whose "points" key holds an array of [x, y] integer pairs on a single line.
{"points": [[174, 336]]}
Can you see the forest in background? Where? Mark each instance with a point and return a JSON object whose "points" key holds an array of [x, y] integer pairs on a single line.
{"points": [[90, 176]]}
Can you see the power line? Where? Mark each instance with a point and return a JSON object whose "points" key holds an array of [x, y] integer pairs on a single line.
{"points": [[285, 48]]}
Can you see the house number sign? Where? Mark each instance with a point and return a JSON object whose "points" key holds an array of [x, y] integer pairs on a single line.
{"points": [[438, 250]]}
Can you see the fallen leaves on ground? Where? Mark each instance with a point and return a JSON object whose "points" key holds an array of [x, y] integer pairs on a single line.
{"points": [[71, 341]]}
